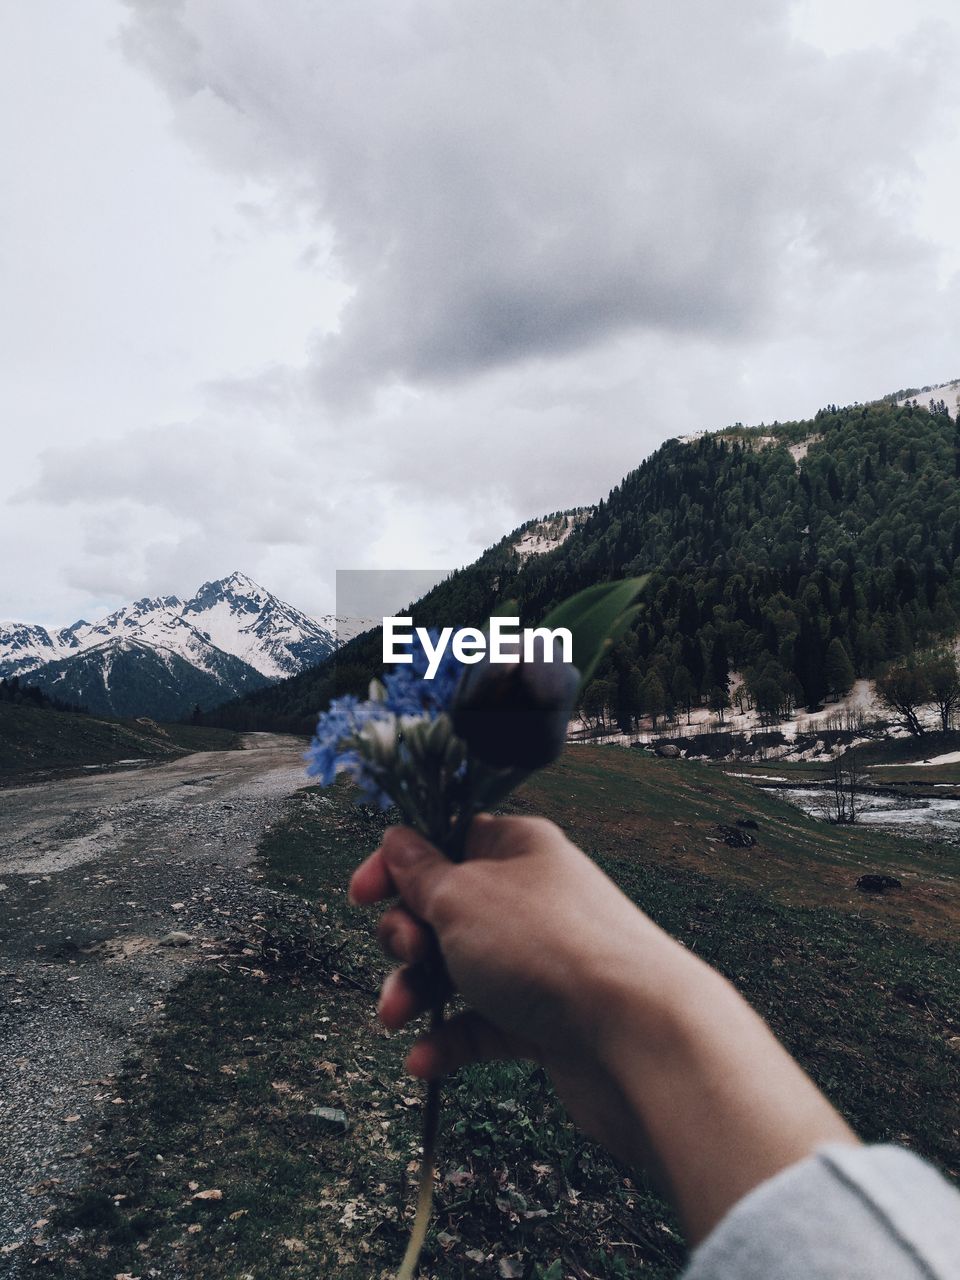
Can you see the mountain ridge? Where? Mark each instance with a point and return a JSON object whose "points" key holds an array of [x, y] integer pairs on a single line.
{"points": [[795, 553], [163, 656]]}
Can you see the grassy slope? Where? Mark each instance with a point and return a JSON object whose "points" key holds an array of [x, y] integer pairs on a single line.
{"points": [[36, 741], [668, 811], [252, 1043]]}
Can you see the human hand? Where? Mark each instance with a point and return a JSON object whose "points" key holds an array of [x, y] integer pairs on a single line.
{"points": [[533, 936], [653, 1052]]}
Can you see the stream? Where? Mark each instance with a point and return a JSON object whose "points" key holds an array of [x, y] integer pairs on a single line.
{"points": [[937, 817]]}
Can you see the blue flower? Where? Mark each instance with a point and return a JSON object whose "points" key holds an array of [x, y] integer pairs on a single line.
{"points": [[330, 750], [410, 693], [340, 745]]}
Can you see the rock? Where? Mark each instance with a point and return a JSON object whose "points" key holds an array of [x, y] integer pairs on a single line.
{"points": [[911, 994], [331, 1118], [748, 824], [667, 751], [735, 837], [878, 884], [176, 938]]}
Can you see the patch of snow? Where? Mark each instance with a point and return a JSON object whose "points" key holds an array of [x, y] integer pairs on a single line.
{"points": [[951, 757], [346, 628], [233, 631], [545, 535], [948, 392], [799, 451], [757, 777]]}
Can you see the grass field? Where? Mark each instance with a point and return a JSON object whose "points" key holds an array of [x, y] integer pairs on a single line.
{"points": [[38, 742], [866, 994]]}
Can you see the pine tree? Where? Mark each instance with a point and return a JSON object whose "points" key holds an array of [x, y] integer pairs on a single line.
{"points": [[838, 669], [654, 698]]}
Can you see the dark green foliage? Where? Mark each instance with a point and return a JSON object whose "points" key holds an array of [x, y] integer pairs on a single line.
{"points": [[943, 681], [755, 555], [16, 693], [838, 669], [121, 680], [934, 677]]}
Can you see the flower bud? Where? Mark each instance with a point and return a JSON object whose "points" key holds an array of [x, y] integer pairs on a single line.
{"points": [[515, 715], [379, 739]]}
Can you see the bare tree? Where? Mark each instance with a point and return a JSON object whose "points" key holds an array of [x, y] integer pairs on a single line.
{"points": [[943, 678], [905, 689], [719, 702], [845, 797]]}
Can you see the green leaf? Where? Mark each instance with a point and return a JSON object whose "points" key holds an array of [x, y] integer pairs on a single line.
{"points": [[553, 1272], [596, 618]]}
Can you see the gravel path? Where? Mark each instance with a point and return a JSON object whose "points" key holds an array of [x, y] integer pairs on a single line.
{"points": [[95, 874]]}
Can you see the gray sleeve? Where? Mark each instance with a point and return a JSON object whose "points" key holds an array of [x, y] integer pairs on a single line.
{"points": [[847, 1213]]}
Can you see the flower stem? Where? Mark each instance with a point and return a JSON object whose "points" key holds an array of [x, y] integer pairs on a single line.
{"points": [[431, 1121]]}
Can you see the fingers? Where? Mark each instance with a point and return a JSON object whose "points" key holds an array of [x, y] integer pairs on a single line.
{"points": [[417, 870], [463, 1039], [405, 865], [402, 937], [408, 866], [410, 991], [371, 882]]}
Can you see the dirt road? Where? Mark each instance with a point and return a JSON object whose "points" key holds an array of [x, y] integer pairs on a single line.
{"points": [[98, 877]]}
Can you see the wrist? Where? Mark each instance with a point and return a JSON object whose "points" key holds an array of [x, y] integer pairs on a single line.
{"points": [[715, 1103], [640, 989]]}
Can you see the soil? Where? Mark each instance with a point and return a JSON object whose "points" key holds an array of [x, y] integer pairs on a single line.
{"points": [[109, 885]]}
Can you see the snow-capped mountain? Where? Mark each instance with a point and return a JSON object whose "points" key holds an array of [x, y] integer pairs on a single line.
{"points": [[240, 617], [160, 656], [24, 647]]}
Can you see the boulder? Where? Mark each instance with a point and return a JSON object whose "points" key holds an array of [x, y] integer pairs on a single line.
{"points": [[330, 1118], [878, 883], [736, 837], [667, 751]]}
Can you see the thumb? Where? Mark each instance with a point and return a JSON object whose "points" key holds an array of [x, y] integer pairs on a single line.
{"points": [[418, 870]]}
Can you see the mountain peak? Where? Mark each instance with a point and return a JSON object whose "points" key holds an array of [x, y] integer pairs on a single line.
{"points": [[240, 582], [150, 603], [236, 586], [232, 624]]}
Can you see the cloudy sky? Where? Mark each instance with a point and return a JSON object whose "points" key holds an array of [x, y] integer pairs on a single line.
{"points": [[293, 287]]}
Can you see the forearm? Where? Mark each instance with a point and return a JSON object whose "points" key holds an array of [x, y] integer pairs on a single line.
{"points": [[653, 1052], [720, 1106]]}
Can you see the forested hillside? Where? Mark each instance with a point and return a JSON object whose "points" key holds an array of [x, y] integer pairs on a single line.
{"points": [[803, 554]]}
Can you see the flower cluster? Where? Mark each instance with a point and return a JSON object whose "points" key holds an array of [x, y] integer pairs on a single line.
{"points": [[441, 749], [409, 693], [398, 746]]}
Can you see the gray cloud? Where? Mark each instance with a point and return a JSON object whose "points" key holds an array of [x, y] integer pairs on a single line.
{"points": [[425, 269], [511, 181]]}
